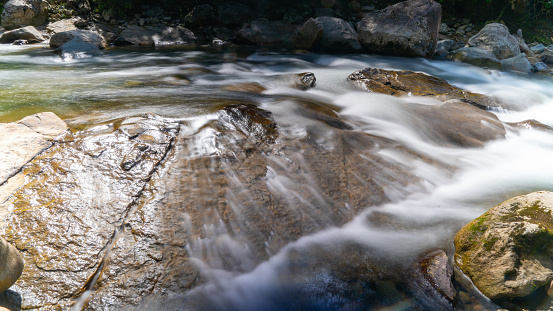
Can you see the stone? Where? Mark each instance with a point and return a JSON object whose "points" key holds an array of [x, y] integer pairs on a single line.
{"points": [[409, 83], [264, 32], [518, 63], [20, 13], [438, 270], [444, 29], [62, 25], [22, 141], [201, 15], [156, 35], [538, 48], [11, 265], [508, 251], [409, 28], [443, 47], [476, 57], [337, 35], [78, 48], [539, 67], [308, 34], [29, 34], [495, 38], [63, 37]]}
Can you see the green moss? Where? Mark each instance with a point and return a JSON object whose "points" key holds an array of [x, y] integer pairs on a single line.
{"points": [[488, 244]]}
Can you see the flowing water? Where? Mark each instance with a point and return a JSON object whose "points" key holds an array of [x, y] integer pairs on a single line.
{"points": [[456, 184]]}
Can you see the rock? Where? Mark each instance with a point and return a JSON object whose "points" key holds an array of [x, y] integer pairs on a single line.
{"points": [[337, 35], [20, 13], [409, 28], [438, 270], [20, 42], [444, 29], [306, 81], [476, 57], [61, 38], [495, 38], [22, 141], [508, 251], [29, 34], [539, 67], [233, 14], [159, 35], [11, 265], [201, 15], [518, 63], [62, 25], [308, 34], [538, 49], [409, 83], [443, 47], [264, 32], [78, 48]]}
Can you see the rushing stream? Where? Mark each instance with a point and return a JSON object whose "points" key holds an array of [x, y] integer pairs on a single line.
{"points": [[454, 185]]}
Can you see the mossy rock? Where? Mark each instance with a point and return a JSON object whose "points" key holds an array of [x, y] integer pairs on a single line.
{"points": [[508, 251]]}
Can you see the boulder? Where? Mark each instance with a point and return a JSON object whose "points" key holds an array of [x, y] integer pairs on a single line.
{"points": [[264, 32], [443, 47], [409, 28], [19, 13], [409, 83], [518, 63], [21, 141], [155, 35], [538, 48], [201, 15], [29, 33], [476, 57], [63, 37], [62, 25], [337, 35], [308, 34], [11, 265], [539, 67], [508, 251], [438, 271], [495, 38], [78, 48]]}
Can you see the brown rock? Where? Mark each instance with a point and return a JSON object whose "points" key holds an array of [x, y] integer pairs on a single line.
{"points": [[11, 265]]}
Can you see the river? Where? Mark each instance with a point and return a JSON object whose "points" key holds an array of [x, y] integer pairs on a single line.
{"points": [[455, 184]]}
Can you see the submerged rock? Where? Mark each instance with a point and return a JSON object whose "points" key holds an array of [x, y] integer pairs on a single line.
{"points": [[11, 265], [508, 251], [29, 34], [409, 28], [20, 13], [409, 83]]}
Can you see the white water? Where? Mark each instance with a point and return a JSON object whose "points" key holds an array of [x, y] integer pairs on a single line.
{"points": [[122, 84]]}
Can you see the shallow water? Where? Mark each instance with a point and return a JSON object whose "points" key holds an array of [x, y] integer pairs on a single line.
{"points": [[457, 184]]}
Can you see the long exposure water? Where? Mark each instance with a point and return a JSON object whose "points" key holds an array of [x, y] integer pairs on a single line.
{"points": [[457, 184]]}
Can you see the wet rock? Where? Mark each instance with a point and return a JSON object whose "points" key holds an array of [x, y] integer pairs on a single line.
{"points": [[201, 15], [404, 83], [408, 28], [78, 48], [20, 13], [495, 38], [157, 35], [308, 34], [540, 67], [518, 63], [29, 33], [20, 142], [507, 252], [443, 47], [306, 81], [60, 221], [476, 56], [63, 37], [438, 270], [11, 265], [264, 32], [337, 35], [245, 87]]}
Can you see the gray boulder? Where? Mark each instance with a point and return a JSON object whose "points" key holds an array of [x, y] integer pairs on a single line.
{"points": [[155, 36], [264, 32], [496, 39], [476, 57], [443, 47], [78, 48], [19, 13], [538, 48], [11, 265], [29, 34], [539, 67], [518, 63], [63, 37], [337, 35], [308, 34], [508, 251], [408, 28]]}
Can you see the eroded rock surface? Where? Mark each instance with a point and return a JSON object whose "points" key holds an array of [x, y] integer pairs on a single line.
{"points": [[508, 251]]}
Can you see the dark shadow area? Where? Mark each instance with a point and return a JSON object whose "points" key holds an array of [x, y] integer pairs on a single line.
{"points": [[10, 300]]}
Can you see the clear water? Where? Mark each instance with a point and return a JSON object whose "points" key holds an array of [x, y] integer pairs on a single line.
{"points": [[187, 84]]}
